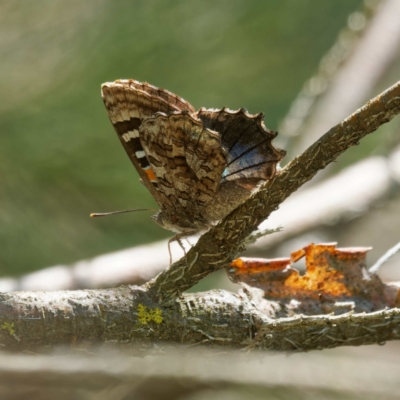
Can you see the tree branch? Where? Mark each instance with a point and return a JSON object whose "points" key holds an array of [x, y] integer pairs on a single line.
{"points": [[219, 246], [128, 315]]}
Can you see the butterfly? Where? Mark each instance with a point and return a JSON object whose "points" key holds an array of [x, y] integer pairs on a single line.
{"points": [[197, 165]]}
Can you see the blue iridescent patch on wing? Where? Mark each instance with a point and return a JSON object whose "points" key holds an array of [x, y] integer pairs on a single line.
{"points": [[250, 154]]}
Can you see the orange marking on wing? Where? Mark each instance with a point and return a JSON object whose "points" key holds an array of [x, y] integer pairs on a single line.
{"points": [[150, 175]]}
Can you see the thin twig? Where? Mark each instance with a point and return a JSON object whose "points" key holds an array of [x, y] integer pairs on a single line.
{"points": [[389, 254]]}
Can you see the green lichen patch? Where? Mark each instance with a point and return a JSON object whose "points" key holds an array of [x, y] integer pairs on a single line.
{"points": [[146, 315], [9, 327]]}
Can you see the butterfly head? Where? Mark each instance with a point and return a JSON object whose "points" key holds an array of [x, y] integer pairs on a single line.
{"points": [[176, 224]]}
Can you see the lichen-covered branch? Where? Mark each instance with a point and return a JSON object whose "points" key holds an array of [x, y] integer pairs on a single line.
{"points": [[219, 246], [128, 315]]}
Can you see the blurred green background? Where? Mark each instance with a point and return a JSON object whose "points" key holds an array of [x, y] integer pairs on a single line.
{"points": [[60, 158]]}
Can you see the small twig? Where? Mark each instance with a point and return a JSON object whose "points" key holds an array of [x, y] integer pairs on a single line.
{"points": [[261, 233], [389, 254]]}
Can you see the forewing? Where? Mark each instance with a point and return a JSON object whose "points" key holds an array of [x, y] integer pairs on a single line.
{"points": [[128, 103]]}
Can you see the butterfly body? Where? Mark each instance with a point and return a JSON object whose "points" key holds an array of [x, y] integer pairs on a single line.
{"points": [[198, 166]]}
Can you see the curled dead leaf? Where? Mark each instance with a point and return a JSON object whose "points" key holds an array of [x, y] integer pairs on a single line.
{"points": [[336, 281]]}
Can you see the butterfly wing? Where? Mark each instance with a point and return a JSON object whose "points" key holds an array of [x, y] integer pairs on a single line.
{"points": [[128, 103], [251, 156], [188, 162]]}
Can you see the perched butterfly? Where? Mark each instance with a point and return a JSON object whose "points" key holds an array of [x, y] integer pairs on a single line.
{"points": [[198, 166]]}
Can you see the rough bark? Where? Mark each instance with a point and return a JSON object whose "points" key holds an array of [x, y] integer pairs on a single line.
{"points": [[35, 321]]}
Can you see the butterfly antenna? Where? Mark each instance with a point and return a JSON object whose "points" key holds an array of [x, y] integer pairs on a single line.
{"points": [[93, 215]]}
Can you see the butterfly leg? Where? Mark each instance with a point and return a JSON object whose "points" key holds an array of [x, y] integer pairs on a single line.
{"points": [[178, 238]]}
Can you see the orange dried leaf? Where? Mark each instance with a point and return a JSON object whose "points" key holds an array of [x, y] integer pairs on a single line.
{"points": [[336, 280]]}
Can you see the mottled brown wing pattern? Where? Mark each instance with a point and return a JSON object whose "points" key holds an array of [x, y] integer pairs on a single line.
{"points": [[188, 162], [128, 103]]}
